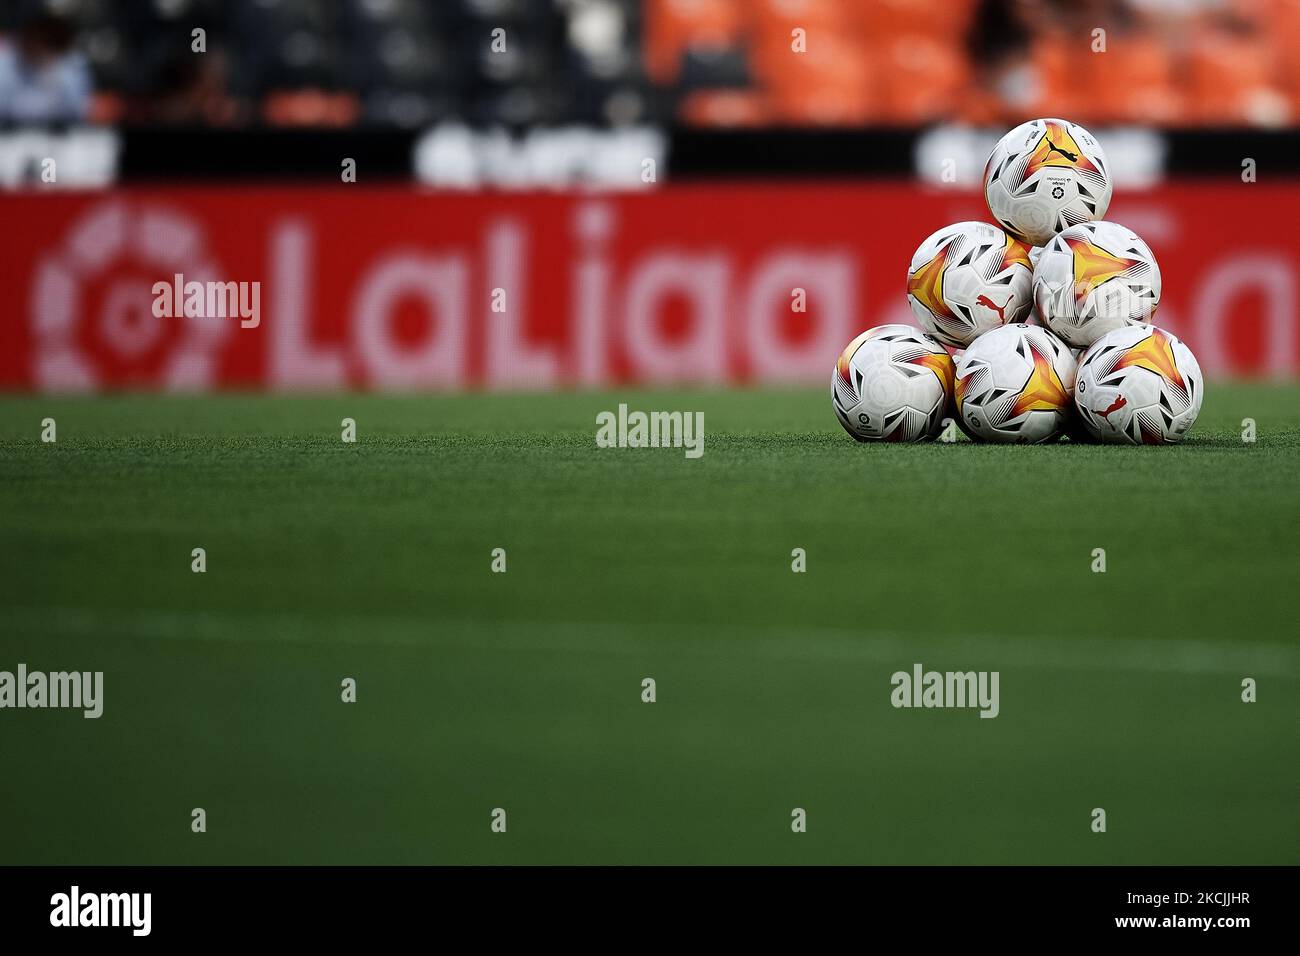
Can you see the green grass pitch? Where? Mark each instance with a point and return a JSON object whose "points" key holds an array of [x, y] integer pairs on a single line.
{"points": [[522, 690]]}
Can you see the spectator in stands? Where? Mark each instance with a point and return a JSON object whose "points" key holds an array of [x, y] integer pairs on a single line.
{"points": [[43, 78], [189, 90]]}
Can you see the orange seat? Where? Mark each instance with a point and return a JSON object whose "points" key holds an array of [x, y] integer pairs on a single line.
{"points": [[831, 82], [1283, 28], [922, 78], [1040, 85], [830, 103], [310, 108], [673, 26], [722, 108], [106, 108], [884, 19], [779, 17], [1230, 80], [1133, 81]]}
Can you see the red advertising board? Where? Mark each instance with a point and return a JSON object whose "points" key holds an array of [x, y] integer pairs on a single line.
{"points": [[403, 288]]}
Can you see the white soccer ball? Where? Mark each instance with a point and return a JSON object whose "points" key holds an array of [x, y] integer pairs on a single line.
{"points": [[892, 383], [1094, 278], [1044, 176], [1015, 384], [969, 278], [1139, 385]]}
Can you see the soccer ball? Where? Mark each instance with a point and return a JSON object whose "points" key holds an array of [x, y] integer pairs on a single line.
{"points": [[1044, 176], [1015, 384], [1139, 385], [969, 278], [1094, 278], [892, 383]]}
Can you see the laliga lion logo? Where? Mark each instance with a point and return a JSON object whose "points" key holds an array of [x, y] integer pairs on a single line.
{"points": [[96, 287]]}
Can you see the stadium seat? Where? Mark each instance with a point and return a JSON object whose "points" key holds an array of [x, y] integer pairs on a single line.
{"points": [[310, 108], [1133, 81], [1231, 80], [922, 78], [884, 19], [673, 27], [735, 108]]}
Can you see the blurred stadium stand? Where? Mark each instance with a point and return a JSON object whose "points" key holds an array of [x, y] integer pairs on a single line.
{"points": [[343, 62], [712, 63]]}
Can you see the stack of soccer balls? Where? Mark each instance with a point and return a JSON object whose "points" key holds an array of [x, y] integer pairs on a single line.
{"points": [[1093, 360]]}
